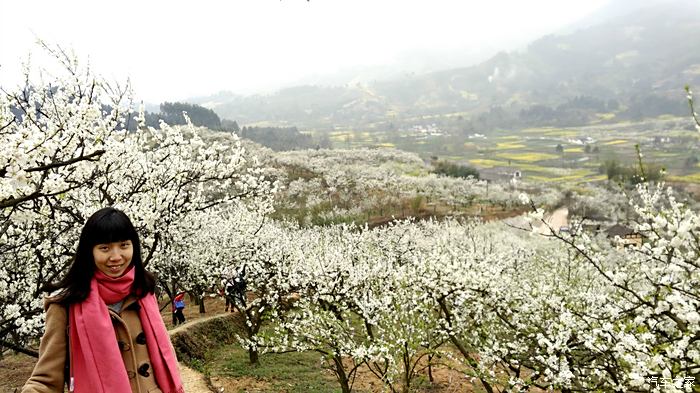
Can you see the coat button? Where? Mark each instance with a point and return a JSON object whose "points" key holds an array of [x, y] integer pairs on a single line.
{"points": [[123, 346], [143, 370], [131, 374], [141, 339]]}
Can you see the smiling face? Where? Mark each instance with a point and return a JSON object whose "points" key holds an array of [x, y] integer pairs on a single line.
{"points": [[113, 259]]}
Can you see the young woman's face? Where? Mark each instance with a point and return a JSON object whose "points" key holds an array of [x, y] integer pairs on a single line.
{"points": [[114, 258]]}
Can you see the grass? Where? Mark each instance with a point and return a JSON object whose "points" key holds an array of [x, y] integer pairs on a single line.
{"points": [[294, 372]]}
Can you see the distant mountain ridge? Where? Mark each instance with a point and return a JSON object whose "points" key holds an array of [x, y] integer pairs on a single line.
{"points": [[631, 64]]}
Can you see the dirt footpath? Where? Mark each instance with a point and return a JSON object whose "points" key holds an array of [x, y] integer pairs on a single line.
{"points": [[193, 381]]}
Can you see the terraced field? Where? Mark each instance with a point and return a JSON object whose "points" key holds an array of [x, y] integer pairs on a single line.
{"points": [[546, 154]]}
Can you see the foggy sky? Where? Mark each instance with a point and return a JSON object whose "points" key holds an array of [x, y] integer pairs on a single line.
{"points": [[177, 49]]}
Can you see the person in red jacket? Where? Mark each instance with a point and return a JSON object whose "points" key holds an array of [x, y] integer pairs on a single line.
{"points": [[178, 306]]}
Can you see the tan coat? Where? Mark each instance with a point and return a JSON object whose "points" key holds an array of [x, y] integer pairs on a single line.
{"points": [[48, 374]]}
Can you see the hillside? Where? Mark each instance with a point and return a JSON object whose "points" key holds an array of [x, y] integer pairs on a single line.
{"points": [[631, 65]]}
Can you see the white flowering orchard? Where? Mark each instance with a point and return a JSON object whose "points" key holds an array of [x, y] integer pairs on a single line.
{"points": [[513, 310], [510, 309], [66, 153]]}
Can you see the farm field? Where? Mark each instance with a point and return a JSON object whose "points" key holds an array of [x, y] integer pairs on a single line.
{"points": [[569, 155]]}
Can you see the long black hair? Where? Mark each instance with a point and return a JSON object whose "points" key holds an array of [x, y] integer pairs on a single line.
{"points": [[106, 225]]}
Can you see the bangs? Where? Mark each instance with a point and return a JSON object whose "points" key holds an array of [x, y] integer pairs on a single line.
{"points": [[110, 227]]}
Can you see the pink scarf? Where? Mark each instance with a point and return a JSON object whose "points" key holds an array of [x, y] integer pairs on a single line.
{"points": [[93, 344]]}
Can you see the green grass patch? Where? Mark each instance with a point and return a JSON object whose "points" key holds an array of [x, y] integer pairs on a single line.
{"points": [[294, 372]]}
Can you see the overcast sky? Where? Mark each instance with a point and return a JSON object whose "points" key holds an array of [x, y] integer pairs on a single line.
{"points": [[177, 49]]}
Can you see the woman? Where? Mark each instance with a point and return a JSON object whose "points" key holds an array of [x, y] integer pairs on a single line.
{"points": [[104, 332]]}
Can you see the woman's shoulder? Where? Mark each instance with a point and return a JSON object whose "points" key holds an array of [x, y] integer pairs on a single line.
{"points": [[55, 310]]}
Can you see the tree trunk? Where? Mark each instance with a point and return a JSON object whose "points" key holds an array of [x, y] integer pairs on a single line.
{"points": [[253, 356], [430, 369], [251, 331], [341, 375]]}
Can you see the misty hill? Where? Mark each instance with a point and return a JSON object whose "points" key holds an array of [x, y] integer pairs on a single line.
{"points": [[628, 65]]}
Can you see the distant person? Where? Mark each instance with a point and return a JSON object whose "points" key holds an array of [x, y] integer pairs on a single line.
{"points": [[226, 284], [104, 332], [178, 307], [236, 289]]}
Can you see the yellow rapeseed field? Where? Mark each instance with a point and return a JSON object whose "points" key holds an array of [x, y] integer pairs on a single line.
{"points": [[563, 133], [509, 145], [527, 157], [692, 178], [615, 142], [487, 163]]}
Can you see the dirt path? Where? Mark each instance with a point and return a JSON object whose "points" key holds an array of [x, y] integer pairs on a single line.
{"points": [[193, 381], [555, 221]]}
